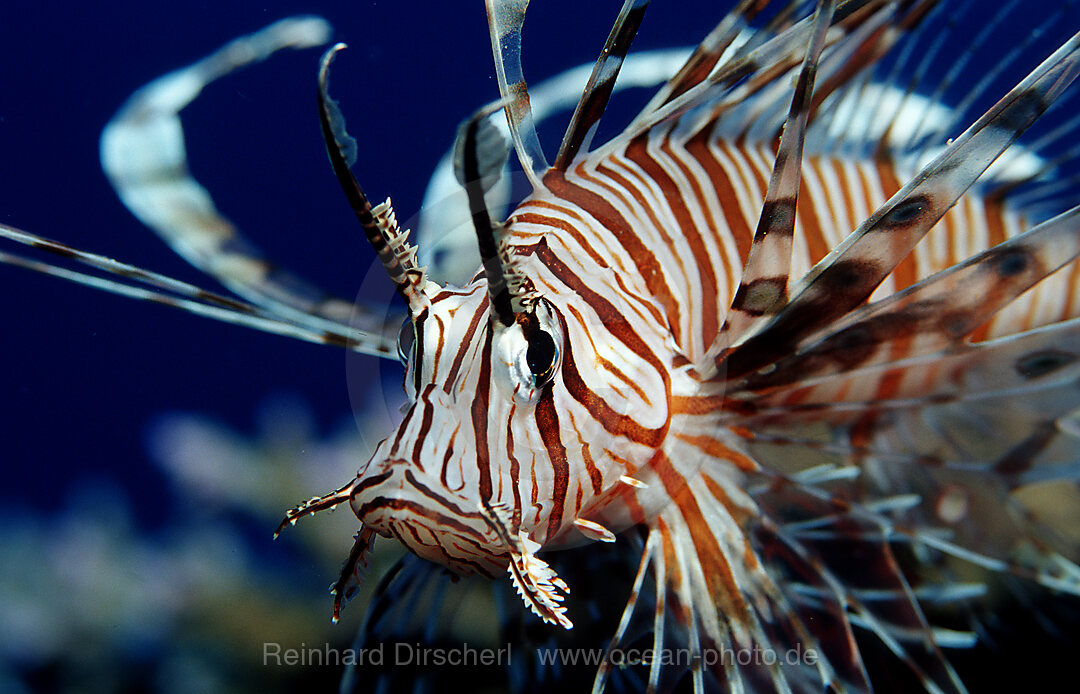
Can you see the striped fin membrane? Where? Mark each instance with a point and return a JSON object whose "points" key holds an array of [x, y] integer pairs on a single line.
{"points": [[850, 273], [843, 345], [972, 291], [143, 155]]}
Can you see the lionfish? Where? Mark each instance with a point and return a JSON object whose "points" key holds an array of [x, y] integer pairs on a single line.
{"points": [[804, 351]]}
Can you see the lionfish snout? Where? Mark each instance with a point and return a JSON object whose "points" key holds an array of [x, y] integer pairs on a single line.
{"points": [[396, 498]]}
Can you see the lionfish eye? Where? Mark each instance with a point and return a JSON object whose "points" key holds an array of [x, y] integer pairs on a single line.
{"points": [[541, 356], [406, 340]]}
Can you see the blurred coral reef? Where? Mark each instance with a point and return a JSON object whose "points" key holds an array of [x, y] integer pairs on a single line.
{"points": [[91, 602]]}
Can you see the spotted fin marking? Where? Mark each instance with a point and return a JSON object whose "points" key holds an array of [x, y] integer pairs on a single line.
{"points": [[928, 137], [848, 275], [973, 435], [763, 287], [936, 312]]}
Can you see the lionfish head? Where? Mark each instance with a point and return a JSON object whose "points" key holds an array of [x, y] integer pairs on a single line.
{"points": [[427, 483], [505, 445]]}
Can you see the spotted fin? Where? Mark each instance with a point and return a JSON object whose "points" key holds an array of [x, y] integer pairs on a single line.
{"points": [[763, 287], [935, 313], [848, 275]]}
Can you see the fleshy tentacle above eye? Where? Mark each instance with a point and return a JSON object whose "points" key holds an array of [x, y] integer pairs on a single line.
{"points": [[480, 153], [379, 223]]}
